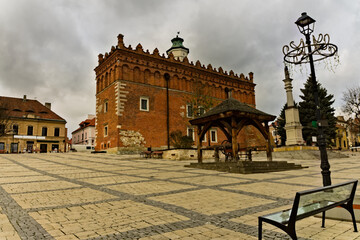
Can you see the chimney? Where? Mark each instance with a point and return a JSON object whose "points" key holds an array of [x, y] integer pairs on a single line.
{"points": [[24, 99], [48, 105]]}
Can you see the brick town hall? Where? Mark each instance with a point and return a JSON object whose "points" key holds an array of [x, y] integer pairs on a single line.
{"points": [[136, 106]]}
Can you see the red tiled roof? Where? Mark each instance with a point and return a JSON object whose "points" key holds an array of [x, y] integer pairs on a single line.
{"points": [[92, 122], [20, 108], [85, 124]]}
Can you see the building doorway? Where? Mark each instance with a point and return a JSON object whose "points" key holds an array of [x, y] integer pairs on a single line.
{"points": [[55, 147], [14, 148], [29, 146], [43, 148]]}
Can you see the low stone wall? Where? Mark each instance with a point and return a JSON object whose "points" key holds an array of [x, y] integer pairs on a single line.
{"points": [[186, 154], [294, 148], [247, 167]]}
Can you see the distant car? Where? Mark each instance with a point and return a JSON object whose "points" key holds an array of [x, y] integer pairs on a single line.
{"points": [[82, 148]]}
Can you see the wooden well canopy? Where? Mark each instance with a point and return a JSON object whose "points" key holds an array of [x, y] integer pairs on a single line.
{"points": [[231, 116]]}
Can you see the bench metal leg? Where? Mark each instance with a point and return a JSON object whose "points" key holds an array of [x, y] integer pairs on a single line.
{"points": [[260, 229], [291, 231], [323, 220], [353, 219]]}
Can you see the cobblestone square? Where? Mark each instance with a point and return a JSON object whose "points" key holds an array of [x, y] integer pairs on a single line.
{"points": [[103, 196]]}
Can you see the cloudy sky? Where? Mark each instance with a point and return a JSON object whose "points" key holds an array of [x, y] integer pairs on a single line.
{"points": [[48, 49]]}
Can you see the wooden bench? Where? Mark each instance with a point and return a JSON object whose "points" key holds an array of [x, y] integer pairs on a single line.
{"points": [[310, 202], [157, 154], [146, 154]]}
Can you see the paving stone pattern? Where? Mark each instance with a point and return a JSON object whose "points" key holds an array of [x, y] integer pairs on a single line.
{"points": [[100, 196]]}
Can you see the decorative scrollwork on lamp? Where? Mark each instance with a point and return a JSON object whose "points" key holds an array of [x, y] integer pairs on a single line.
{"points": [[298, 54]]}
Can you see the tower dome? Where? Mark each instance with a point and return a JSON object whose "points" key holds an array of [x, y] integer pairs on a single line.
{"points": [[177, 48]]}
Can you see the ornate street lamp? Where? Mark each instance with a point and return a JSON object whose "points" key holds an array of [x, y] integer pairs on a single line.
{"points": [[308, 52]]}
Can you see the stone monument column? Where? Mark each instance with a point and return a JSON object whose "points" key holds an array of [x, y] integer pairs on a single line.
{"points": [[293, 126]]}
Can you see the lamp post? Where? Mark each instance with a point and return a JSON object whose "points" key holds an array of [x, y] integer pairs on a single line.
{"points": [[309, 52]]}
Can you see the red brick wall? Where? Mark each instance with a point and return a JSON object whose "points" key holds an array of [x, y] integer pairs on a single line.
{"points": [[125, 75]]}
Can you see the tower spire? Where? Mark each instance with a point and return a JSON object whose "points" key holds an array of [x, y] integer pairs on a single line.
{"points": [[177, 48]]}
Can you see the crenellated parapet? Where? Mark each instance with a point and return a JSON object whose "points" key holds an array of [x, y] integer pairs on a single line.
{"points": [[139, 65]]}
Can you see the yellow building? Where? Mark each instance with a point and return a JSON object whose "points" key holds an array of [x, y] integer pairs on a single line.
{"points": [[341, 141], [29, 126], [354, 132]]}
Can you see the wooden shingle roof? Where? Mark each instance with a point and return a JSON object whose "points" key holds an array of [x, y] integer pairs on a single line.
{"points": [[232, 106]]}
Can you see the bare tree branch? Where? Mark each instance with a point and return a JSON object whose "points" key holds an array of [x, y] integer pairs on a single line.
{"points": [[5, 121], [351, 100]]}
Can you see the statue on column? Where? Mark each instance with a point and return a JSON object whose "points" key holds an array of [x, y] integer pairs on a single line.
{"points": [[292, 120]]}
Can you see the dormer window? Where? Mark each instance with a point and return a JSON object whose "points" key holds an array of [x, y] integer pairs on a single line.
{"points": [[30, 111], [16, 110]]}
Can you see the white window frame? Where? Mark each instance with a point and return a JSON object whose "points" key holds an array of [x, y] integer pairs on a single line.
{"points": [[216, 137], [147, 104], [204, 138], [193, 133], [106, 130]]}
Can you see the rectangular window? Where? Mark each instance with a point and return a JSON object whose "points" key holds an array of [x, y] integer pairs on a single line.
{"points": [[85, 135], [30, 130], [201, 111], [82, 136], [2, 146], [191, 133], [144, 104], [106, 107], [2, 129], [213, 135], [189, 111], [44, 131], [15, 129], [57, 132], [105, 131]]}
